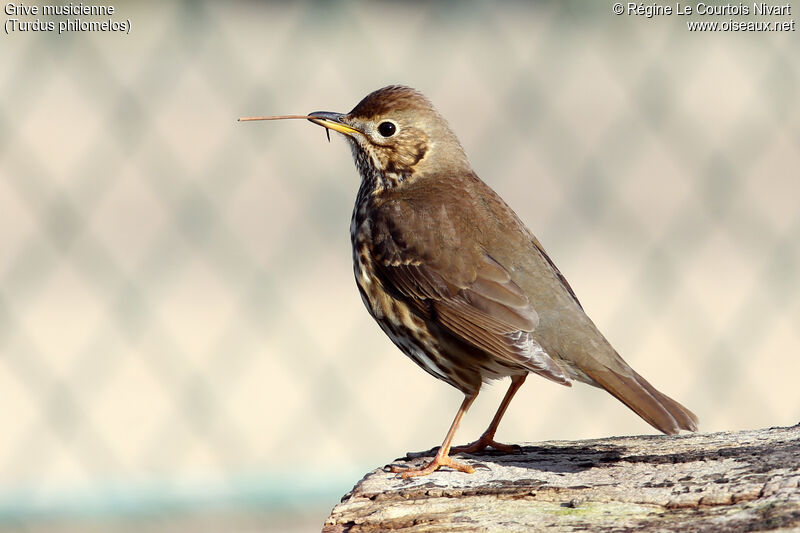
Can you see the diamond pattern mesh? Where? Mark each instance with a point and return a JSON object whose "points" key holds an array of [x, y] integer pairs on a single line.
{"points": [[176, 297]]}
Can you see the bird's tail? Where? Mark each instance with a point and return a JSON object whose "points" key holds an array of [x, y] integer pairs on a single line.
{"points": [[656, 408]]}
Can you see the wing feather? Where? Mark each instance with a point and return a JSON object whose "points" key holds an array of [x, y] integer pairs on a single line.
{"points": [[484, 308]]}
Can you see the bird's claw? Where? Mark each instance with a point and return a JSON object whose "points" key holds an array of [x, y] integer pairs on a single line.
{"points": [[484, 442], [435, 464]]}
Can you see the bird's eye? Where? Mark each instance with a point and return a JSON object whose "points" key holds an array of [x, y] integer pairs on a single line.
{"points": [[387, 129]]}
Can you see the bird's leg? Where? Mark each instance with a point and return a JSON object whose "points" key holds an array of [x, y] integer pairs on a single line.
{"points": [[442, 457], [487, 439]]}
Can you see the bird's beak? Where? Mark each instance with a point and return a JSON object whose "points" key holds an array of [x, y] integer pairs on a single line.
{"points": [[331, 121]]}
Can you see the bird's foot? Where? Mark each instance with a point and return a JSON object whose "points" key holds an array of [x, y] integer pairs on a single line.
{"points": [[438, 461], [485, 441]]}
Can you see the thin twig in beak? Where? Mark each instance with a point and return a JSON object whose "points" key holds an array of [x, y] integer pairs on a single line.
{"points": [[275, 117]]}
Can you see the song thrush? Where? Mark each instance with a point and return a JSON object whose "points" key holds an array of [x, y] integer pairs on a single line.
{"points": [[457, 281]]}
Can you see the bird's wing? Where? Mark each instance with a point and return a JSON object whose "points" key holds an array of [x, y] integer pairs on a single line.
{"points": [[477, 301], [556, 271]]}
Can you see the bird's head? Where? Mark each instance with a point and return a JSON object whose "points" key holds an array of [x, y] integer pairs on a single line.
{"points": [[397, 136]]}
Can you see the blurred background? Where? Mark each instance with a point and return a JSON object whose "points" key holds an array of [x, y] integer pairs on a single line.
{"points": [[182, 346]]}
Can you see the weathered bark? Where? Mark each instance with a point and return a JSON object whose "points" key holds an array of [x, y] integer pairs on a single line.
{"points": [[745, 481]]}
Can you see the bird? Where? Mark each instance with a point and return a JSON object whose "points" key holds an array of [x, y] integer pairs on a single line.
{"points": [[458, 282]]}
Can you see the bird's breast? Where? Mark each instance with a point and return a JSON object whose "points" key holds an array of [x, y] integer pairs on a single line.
{"points": [[406, 329], [378, 301]]}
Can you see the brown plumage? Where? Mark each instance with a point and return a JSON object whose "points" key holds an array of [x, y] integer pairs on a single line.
{"points": [[457, 281]]}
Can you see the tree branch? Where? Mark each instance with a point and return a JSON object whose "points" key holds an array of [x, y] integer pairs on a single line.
{"points": [[744, 481]]}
